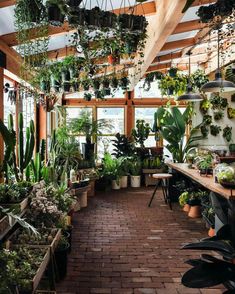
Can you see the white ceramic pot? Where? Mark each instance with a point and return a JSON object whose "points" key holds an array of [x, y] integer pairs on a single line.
{"points": [[124, 181], [135, 181], [116, 185]]}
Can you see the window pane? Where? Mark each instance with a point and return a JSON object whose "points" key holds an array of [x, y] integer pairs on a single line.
{"points": [[115, 116], [146, 114], [75, 112], [153, 92], [104, 144], [28, 108], [9, 107]]}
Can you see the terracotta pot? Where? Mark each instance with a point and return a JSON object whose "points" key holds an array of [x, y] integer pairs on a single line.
{"points": [[195, 211], [186, 207], [211, 232]]}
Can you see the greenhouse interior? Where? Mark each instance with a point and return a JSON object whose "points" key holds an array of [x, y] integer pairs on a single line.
{"points": [[117, 146]]}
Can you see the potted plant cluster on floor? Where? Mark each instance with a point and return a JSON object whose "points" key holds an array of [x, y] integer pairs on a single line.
{"points": [[37, 191]]}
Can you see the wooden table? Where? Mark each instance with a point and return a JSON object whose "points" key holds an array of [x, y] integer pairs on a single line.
{"points": [[206, 181]]}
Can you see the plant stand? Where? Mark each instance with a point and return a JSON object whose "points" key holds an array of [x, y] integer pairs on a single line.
{"points": [[83, 199]]}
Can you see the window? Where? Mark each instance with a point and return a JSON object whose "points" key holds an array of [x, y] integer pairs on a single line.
{"points": [[75, 112], [27, 108], [9, 107], [116, 117], [153, 92], [147, 114]]}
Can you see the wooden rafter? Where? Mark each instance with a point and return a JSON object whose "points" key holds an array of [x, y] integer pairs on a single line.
{"points": [[178, 44], [6, 3], [148, 8], [188, 26], [164, 66], [13, 58]]}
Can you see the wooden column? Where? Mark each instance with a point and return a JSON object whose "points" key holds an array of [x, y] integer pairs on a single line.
{"points": [[41, 126], [1, 116], [129, 114]]}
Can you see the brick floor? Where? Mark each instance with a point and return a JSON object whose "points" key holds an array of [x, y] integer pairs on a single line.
{"points": [[121, 246]]}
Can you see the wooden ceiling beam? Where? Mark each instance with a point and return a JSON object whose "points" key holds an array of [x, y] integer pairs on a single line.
{"points": [[6, 3], [188, 26], [164, 66], [146, 9], [14, 60], [167, 57], [202, 2], [178, 44]]}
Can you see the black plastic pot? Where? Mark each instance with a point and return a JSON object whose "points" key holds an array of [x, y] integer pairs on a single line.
{"points": [[99, 94], [75, 86], [65, 76], [139, 23], [55, 17], [108, 19], [88, 151], [34, 11], [96, 84], [61, 260], [107, 91], [74, 3], [87, 97], [114, 83], [125, 21], [66, 87], [93, 17]]}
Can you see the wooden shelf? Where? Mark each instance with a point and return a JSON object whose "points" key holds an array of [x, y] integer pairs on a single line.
{"points": [[206, 181]]}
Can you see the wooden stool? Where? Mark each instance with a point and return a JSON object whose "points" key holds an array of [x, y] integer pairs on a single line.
{"points": [[163, 180]]}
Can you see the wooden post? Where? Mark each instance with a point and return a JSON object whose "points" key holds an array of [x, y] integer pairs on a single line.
{"points": [[129, 114], [41, 125], [1, 117]]}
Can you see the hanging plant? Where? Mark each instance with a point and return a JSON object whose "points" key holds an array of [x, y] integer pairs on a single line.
{"points": [[227, 133], [198, 79], [173, 72], [173, 85], [30, 16], [215, 130], [148, 80], [56, 10], [205, 105], [231, 112], [87, 96], [218, 115]]}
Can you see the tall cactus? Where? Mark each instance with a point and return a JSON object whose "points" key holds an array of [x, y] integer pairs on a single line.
{"points": [[25, 156], [37, 163]]}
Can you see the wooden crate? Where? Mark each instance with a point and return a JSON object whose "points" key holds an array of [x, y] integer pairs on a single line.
{"points": [[52, 246], [21, 206]]}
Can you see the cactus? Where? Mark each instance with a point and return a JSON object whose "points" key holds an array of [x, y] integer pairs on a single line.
{"points": [[9, 137], [25, 156], [37, 163]]}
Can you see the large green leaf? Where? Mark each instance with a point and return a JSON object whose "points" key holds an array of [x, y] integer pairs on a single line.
{"points": [[178, 120]]}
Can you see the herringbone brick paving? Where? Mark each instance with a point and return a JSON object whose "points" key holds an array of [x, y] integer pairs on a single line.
{"points": [[121, 246]]}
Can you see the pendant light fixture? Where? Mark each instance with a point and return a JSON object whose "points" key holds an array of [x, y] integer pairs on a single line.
{"points": [[189, 95], [218, 84]]}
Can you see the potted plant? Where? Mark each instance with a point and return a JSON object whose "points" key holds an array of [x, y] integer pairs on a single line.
{"points": [[55, 76], [183, 201], [106, 86], [123, 146], [140, 134], [56, 10], [215, 130], [231, 112], [218, 115], [30, 11], [195, 205], [114, 82], [61, 258], [124, 171], [90, 128], [124, 82], [135, 172], [232, 149], [111, 170], [205, 165], [87, 96], [227, 133], [205, 105]]}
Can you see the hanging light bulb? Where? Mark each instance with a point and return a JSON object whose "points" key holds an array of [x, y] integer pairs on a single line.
{"points": [[189, 95], [218, 83]]}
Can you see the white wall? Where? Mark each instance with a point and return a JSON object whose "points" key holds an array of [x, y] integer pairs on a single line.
{"points": [[218, 140]]}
